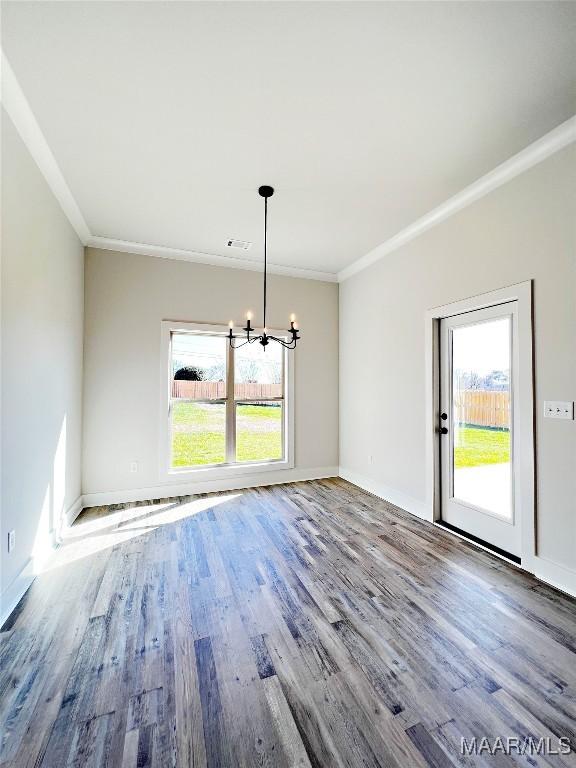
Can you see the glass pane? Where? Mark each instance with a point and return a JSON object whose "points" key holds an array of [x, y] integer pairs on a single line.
{"points": [[258, 371], [198, 433], [198, 366], [481, 392], [259, 431]]}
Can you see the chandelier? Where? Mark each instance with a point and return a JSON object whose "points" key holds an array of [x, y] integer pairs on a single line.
{"points": [[264, 338]]}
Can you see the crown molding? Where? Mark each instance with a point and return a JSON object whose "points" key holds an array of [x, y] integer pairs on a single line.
{"points": [[180, 254], [19, 111], [549, 144]]}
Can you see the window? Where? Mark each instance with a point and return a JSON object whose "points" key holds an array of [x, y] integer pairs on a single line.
{"points": [[258, 396], [226, 408], [198, 400]]}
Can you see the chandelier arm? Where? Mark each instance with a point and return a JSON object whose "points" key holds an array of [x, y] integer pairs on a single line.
{"points": [[243, 344], [288, 344], [254, 339]]}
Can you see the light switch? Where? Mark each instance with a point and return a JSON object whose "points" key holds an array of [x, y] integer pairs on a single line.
{"points": [[558, 409]]}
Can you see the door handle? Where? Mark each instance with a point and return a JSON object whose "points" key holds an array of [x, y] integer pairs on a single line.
{"points": [[443, 430], [443, 416]]}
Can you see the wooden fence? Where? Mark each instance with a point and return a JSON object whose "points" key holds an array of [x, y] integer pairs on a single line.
{"points": [[216, 390], [483, 408], [480, 407]]}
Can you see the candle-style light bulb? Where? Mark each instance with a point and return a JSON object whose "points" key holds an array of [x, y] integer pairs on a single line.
{"points": [[231, 324], [292, 318], [248, 315]]}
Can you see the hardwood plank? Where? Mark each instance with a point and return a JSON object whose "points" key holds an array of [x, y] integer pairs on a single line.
{"points": [[432, 752], [216, 752], [290, 740]]}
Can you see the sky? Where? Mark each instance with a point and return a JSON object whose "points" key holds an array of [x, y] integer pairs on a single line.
{"points": [[203, 351], [207, 351], [482, 347]]}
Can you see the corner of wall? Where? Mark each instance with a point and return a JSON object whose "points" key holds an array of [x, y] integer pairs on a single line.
{"points": [[384, 492]]}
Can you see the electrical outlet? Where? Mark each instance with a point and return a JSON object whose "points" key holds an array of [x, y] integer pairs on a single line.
{"points": [[558, 409], [133, 466], [11, 540]]}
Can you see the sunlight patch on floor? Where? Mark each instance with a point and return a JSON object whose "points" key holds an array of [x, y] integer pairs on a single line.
{"points": [[104, 531]]}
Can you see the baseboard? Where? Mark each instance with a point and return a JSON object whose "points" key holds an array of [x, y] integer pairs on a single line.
{"points": [[20, 585], [169, 490], [12, 595], [555, 575], [74, 510], [398, 498]]}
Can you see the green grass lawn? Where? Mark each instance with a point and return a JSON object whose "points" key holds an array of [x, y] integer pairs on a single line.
{"points": [[475, 446], [198, 435]]}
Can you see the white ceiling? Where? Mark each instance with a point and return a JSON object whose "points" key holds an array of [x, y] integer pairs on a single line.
{"points": [[164, 118]]}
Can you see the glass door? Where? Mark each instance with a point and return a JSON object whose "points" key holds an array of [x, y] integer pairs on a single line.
{"points": [[476, 426]]}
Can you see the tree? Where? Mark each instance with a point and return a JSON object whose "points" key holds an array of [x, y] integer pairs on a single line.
{"points": [[189, 373], [475, 381], [216, 372], [249, 371]]}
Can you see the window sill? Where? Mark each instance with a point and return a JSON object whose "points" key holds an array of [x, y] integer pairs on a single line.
{"points": [[230, 470]]}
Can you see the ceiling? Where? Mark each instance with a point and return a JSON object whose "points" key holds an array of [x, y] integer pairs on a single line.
{"points": [[164, 118]]}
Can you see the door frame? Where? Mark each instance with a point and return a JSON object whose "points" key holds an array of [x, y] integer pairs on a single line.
{"points": [[525, 465]]}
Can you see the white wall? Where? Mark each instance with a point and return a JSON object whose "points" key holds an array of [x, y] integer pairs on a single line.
{"points": [[524, 230], [126, 298], [42, 328]]}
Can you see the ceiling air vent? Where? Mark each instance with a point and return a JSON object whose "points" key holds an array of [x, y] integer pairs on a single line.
{"points": [[243, 244]]}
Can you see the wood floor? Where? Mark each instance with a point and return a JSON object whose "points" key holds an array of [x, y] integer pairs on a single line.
{"points": [[300, 625]]}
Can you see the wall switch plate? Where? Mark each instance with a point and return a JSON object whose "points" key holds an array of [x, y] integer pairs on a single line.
{"points": [[558, 409], [11, 540], [133, 466]]}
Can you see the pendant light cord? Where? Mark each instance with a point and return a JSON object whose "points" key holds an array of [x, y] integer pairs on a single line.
{"points": [[265, 252]]}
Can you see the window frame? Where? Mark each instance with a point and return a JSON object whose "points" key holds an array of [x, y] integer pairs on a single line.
{"points": [[229, 468]]}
